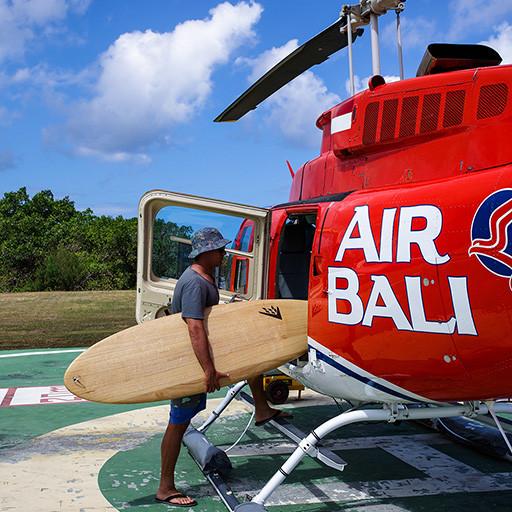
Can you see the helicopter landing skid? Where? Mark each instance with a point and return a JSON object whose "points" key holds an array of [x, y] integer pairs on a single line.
{"points": [[309, 444]]}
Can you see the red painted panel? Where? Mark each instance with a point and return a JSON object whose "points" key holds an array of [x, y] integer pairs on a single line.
{"points": [[447, 125], [420, 283]]}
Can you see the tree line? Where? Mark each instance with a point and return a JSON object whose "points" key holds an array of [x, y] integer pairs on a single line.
{"points": [[47, 244]]}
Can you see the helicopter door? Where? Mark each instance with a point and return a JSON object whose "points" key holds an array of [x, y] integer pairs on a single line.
{"points": [[294, 256], [167, 221]]}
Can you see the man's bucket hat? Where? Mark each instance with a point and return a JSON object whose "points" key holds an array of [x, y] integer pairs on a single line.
{"points": [[207, 239]]}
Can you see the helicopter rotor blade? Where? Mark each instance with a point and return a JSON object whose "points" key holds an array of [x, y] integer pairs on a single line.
{"points": [[315, 51]]}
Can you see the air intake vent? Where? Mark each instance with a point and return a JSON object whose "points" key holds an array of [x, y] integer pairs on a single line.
{"points": [[430, 112], [370, 123], [492, 100], [408, 116], [454, 108], [387, 132]]}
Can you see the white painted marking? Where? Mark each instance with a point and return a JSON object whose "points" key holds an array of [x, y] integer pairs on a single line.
{"points": [[40, 395], [44, 353], [443, 474], [352, 443], [341, 123]]}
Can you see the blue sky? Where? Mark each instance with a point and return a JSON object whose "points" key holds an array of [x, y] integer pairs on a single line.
{"points": [[103, 100]]}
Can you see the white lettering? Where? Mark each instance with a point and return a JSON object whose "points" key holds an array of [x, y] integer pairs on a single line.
{"points": [[364, 241], [461, 306], [424, 238], [383, 303], [390, 309], [348, 294], [417, 309], [386, 235]]}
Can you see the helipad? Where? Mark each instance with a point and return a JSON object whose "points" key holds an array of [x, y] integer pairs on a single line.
{"points": [[59, 453]]}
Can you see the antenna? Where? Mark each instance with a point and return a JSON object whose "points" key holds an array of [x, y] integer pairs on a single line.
{"points": [[364, 13]]}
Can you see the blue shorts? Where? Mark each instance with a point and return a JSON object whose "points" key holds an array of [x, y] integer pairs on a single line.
{"points": [[184, 409]]}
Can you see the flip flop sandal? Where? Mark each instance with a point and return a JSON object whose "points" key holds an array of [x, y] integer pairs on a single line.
{"points": [[177, 495], [273, 417]]}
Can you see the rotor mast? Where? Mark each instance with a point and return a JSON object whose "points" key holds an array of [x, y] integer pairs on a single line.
{"points": [[368, 12]]}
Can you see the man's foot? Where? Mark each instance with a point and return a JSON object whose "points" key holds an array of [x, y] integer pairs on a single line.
{"points": [[272, 414], [176, 499]]}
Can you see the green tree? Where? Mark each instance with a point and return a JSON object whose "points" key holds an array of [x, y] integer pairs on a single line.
{"points": [[169, 257], [47, 244]]}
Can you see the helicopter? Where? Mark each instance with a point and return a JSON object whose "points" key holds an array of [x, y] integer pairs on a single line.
{"points": [[398, 234]]}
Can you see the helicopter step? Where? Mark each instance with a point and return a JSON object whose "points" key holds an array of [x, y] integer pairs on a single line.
{"points": [[214, 462], [324, 455]]}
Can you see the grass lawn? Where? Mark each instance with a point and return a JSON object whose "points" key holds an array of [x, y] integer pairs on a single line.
{"points": [[63, 319]]}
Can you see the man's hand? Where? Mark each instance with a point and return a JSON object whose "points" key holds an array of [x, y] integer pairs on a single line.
{"points": [[212, 379]]}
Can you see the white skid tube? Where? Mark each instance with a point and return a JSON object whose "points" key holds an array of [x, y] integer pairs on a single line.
{"points": [[230, 395], [390, 414]]}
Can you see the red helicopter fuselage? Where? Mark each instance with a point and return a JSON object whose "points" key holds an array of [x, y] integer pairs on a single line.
{"points": [[407, 217]]}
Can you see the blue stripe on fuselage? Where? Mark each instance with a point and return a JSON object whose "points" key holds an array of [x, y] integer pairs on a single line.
{"points": [[361, 378]]}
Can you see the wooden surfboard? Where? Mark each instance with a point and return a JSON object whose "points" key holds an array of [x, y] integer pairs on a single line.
{"points": [[155, 360]]}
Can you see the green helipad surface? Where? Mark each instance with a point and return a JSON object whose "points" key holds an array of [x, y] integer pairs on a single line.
{"points": [[60, 454]]}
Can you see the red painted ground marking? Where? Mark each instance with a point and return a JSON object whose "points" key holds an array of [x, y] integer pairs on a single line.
{"points": [[40, 395], [9, 395]]}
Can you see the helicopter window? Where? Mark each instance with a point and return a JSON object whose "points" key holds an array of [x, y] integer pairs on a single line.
{"points": [[294, 257], [245, 238], [172, 232]]}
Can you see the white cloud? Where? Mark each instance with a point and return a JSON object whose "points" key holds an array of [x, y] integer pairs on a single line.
{"points": [[360, 84], [416, 32], [113, 156], [21, 21], [501, 41], [471, 16], [38, 12], [295, 108], [148, 82], [466, 20]]}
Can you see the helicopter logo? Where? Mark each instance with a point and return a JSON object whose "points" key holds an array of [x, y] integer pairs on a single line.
{"points": [[491, 233]]}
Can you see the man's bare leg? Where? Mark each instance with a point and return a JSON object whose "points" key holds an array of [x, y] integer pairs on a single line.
{"points": [[263, 410], [170, 449]]}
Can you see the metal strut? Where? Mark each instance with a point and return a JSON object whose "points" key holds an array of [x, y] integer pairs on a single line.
{"points": [[230, 395], [389, 414], [212, 461], [398, 10], [347, 11]]}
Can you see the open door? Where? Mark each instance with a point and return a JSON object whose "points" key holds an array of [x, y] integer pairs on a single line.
{"points": [[167, 221]]}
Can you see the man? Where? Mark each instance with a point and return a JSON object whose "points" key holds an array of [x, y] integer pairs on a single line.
{"points": [[195, 291]]}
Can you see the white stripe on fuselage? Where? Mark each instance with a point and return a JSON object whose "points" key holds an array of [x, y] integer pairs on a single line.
{"points": [[366, 391], [341, 123]]}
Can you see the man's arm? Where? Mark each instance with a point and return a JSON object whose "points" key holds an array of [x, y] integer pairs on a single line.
{"points": [[201, 346]]}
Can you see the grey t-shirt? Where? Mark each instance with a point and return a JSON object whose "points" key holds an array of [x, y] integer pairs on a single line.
{"points": [[193, 293]]}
